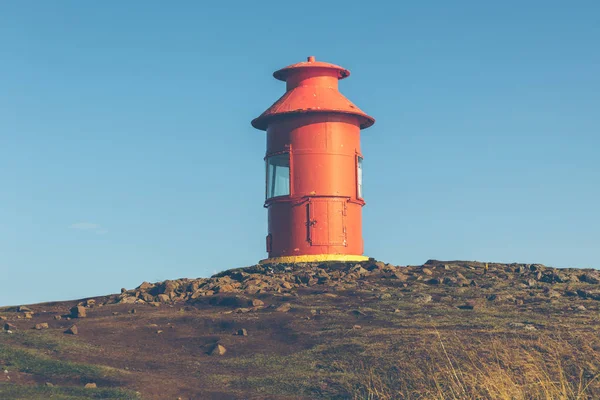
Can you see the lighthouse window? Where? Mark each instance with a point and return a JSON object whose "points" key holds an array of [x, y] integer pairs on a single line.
{"points": [[278, 175], [359, 177]]}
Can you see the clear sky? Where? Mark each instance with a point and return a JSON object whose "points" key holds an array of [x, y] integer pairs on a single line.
{"points": [[127, 155]]}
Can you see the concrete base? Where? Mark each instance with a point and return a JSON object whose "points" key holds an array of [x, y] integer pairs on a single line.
{"points": [[310, 258]]}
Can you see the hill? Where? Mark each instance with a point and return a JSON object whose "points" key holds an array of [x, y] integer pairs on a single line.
{"points": [[370, 330]]}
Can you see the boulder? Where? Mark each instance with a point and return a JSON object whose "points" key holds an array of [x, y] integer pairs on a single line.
{"points": [[43, 325], [78, 312], [218, 350], [73, 330], [9, 327]]}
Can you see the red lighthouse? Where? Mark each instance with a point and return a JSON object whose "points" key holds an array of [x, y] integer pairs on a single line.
{"points": [[314, 167]]}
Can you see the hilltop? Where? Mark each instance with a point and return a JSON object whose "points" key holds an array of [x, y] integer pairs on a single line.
{"points": [[369, 330]]}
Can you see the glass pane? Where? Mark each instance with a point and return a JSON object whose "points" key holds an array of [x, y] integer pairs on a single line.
{"points": [[359, 177], [278, 175]]}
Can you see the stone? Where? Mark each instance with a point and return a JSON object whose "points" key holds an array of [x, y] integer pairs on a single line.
{"points": [[132, 311], [427, 271], [422, 298], [73, 330], [90, 385], [385, 296], [78, 312], [399, 276], [28, 315], [589, 278], [90, 303], [9, 327], [24, 309], [43, 325], [48, 384], [242, 332], [257, 303], [145, 286], [581, 308], [128, 300], [3, 318], [357, 327], [226, 288], [218, 350], [57, 317], [163, 298], [285, 307]]}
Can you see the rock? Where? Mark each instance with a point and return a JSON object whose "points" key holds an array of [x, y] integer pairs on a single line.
{"points": [[132, 311], [285, 307], [427, 271], [128, 300], [257, 303], [90, 303], [90, 385], [43, 325], [73, 330], [226, 288], [450, 281], [242, 332], [78, 312], [163, 298], [28, 315], [357, 327], [589, 278], [218, 350], [3, 318], [48, 384], [399, 276], [385, 296], [433, 281], [286, 285], [24, 309], [581, 308], [9, 327], [57, 317], [422, 298], [358, 313], [145, 286]]}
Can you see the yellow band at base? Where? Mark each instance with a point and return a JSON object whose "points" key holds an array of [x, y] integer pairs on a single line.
{"points": [[307, 258]]}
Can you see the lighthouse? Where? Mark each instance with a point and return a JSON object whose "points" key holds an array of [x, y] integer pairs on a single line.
{"points": [[313, 185]]}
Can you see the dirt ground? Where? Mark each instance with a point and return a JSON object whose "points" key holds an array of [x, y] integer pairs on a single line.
{"points": [[380, 331]]}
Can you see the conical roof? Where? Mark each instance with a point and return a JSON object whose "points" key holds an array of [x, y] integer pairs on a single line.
{"points": [[311, 99]]}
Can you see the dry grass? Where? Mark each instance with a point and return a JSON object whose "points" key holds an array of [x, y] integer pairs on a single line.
{"points": [[495, 368]]}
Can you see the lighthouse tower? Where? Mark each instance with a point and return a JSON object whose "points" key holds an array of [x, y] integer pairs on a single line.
{"points": [[313, 161]]}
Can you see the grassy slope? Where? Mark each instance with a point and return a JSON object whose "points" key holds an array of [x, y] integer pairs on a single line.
{"points": [[355, 343]]}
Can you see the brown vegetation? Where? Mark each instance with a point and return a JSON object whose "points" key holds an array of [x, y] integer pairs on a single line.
{"points": [[444, 330]]}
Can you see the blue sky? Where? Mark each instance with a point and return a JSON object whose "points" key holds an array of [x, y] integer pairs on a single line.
{"points": [[126, 151]]}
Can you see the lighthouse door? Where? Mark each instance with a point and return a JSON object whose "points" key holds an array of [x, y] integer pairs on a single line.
{"points": [[326, 222]]}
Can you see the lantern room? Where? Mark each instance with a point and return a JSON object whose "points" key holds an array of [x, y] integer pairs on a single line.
{"points": [[313, 182]]}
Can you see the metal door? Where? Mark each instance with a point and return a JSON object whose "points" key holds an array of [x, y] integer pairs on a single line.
{"points": [[326, 222]]}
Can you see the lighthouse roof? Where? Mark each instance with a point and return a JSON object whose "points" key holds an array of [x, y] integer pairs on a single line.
{"points": [[311, 98], [283, 73]]}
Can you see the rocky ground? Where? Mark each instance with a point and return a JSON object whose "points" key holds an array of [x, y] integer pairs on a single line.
{"points": [[450, 329]]}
